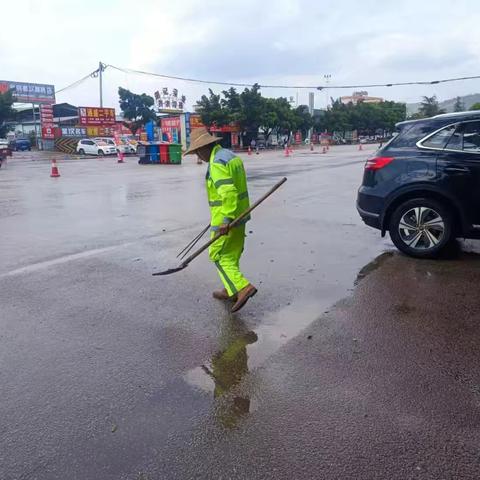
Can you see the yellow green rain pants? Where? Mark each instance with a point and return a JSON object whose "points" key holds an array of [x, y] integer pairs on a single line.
{"points": [[226, 253]]}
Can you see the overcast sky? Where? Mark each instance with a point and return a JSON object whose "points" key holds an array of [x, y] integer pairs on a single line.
{"points": [[271, 42]]}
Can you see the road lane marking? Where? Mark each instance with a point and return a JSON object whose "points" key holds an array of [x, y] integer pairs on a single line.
{"points": [[58, 261]]}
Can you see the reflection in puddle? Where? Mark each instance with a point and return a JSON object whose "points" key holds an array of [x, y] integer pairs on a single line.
{"points": [[373, 265], [225, 372], [243, 350], [280, 327]]}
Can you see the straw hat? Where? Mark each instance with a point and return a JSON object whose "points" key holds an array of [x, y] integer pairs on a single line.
{"points": [[199, 138]]}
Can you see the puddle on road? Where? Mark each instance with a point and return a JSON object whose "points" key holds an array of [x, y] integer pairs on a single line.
{"points": [[242, 351], [275, 331], [372, 266], [277, 328]]}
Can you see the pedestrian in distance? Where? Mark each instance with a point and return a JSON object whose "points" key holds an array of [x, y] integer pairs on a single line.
{"points": [[227, 193]]}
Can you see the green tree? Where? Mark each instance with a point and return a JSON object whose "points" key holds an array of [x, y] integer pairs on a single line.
{"points": [[304, 120], [252, 108], [338, 118], [430, 107], [319, 122], [212, 110], [459, 105], [287, 120], [270, 117], [366, 118], [137, 109], [475, 106], [232, 103], [6, 111]]}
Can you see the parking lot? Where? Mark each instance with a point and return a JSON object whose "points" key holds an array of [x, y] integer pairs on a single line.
{"points": [[353, 361]]}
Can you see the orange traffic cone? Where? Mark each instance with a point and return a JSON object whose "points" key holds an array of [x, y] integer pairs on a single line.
{"points": [[360, 146], [249, 151], [54, 173], [119, 157]]}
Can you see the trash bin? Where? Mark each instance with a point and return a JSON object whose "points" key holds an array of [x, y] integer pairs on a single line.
{"points": [[175, 153], [164, 153], [142, 153], [154, 154]]}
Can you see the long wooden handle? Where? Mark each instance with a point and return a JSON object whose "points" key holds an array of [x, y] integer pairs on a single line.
{"points": [[234, 222]]}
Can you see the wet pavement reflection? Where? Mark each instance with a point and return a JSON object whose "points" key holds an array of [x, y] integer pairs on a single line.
{"points": [[227, 369]]}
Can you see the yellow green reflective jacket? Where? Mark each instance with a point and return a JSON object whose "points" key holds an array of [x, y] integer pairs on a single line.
{"points": [[226, 187]]}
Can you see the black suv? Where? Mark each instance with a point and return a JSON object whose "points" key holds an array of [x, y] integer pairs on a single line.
{"points": [[424, 185]]}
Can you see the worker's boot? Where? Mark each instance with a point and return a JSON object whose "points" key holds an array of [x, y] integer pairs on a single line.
{"points": [[242, 297], [223, 295]]}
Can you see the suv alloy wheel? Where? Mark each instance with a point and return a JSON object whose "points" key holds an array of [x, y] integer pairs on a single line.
{"points": [[421, 227]]}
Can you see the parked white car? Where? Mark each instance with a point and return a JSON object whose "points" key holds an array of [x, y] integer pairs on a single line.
{"points": [[89, 146], [131, 143], [121, 145]]}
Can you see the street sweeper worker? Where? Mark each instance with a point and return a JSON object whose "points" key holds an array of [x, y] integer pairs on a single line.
{"points": [[227, 193]]}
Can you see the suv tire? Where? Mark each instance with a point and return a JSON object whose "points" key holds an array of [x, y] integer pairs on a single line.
{"points": [[101, 153], [421, 227], [81, 151]]}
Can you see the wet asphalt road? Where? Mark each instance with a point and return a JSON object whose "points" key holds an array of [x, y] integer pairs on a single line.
{"points": [[352, 362]]}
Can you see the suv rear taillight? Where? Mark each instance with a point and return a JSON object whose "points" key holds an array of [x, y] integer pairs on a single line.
{"points": [[378, 163]]}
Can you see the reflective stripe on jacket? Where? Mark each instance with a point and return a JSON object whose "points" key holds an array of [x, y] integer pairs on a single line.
{"points": [[226, 187]]}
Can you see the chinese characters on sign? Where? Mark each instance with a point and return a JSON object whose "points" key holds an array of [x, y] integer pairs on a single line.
{"points": [[170, 128], [93, 116], [74, 132], [195, 122], [46, 115], [29, 92], [46, 121], [166, 101], [101, 131], [48, 133]]}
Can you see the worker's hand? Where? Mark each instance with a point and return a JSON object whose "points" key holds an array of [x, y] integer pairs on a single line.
{"points": [[223, 229]]}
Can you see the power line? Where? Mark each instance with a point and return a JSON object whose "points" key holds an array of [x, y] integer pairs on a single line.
{"points": [[96, 72], [294, 87], [397, 84], [211, 82], [93, 74]]}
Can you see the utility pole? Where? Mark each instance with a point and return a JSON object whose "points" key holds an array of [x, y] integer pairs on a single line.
{"points": [[327, 78], [35, 124], [100, 70]]}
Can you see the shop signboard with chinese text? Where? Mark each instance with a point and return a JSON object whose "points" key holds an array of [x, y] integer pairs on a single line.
{"points": [[93, 116], [48, 133], [195, 122], [73, 131], [225, 128], [24, 92], [101, 131], [170, 128], [46, 121], [46, 115]]}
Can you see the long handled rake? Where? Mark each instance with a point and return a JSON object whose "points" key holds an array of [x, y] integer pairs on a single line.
{"points": [[235, 222]]}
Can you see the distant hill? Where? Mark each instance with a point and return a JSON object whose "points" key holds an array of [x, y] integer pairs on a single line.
{"points": [[468, 101]]}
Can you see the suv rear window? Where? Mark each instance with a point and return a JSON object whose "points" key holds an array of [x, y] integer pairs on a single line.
{"points": [[409, 136], [466, 137], [440, 139]]}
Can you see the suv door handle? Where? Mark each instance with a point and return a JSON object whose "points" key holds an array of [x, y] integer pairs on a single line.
{"points": [[457, 170]]}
